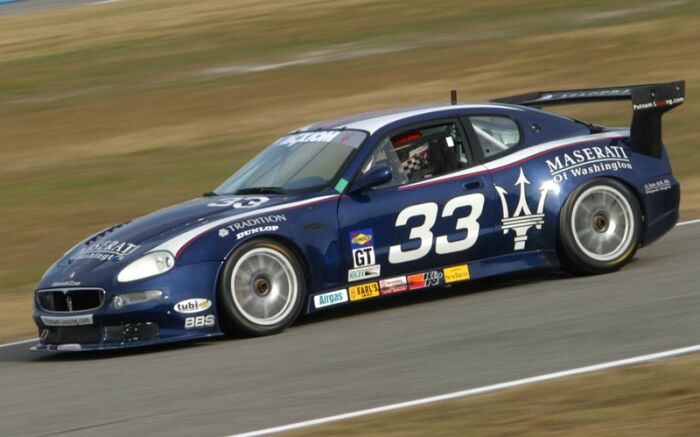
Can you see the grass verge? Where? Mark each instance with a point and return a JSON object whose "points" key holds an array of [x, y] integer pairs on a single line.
{"points": [[652, 399]]}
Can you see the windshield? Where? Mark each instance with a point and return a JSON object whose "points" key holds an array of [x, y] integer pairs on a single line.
{"points": [[295, 162]]}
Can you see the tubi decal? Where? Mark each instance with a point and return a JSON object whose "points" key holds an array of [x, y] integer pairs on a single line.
{"points": [[427, 279], [364, 291], [191, 306], [523, 219], [330, 298], [458, 273], [393, 285]]}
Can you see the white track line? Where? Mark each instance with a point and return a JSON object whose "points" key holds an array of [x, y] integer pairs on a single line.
{"points": [[689, 222], [478, 390], [15, 343]]}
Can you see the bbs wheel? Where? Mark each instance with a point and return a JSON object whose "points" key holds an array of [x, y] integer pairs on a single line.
{"points": [[599, 227], [262, 289]]}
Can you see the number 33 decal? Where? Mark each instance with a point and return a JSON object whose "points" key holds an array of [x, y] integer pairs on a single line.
{"points": [[424, 232]]}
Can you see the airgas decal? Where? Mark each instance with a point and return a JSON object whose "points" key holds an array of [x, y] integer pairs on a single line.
{"points": [[523, 218], [330, 298]]}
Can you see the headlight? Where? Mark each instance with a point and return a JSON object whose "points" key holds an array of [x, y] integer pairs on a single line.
{"points": [[121, 300], [151, 264]]}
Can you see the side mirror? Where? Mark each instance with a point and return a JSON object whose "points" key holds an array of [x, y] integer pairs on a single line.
{"points": [[375, 177]]}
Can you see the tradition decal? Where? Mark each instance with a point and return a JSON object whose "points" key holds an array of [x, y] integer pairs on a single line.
{"points": [[522, 218]]}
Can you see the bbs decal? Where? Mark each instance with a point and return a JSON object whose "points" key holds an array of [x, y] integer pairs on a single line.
{"points": [[424, 232], [200, 322]]}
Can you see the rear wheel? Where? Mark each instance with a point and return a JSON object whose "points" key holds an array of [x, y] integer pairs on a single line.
{"points": [[262, 289], [599, 227]]}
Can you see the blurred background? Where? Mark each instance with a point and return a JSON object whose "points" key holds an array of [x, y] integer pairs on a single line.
{"points": [[109, 110]]}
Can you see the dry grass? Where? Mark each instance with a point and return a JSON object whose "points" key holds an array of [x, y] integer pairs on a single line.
{"points": [[653, 399], [107, 112]]}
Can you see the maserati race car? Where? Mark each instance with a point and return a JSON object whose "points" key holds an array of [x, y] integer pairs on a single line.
{"points": [[368, 206]]}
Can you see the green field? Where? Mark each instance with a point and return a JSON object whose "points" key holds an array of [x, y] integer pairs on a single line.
{"points": [[108, 112]]}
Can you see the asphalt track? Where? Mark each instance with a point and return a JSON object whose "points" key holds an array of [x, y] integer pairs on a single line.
{"points": [[379, 353], [23, 6]]}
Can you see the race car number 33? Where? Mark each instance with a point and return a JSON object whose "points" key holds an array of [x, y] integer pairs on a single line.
{"points": [[364, 291]]}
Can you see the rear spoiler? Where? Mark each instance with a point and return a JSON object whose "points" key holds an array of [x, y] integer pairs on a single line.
{"points": [[649, 103]]}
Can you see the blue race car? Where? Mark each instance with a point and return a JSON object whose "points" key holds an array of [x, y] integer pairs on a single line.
{"points": [[372, 205]]}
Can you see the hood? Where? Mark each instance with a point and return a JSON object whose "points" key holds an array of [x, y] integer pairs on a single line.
{"points": [[125, 242]]}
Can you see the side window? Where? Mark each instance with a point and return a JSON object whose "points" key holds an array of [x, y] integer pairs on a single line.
{"points": [[496, 133], [417, 154]]}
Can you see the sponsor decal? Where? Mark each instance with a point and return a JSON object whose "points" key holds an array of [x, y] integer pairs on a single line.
{"points": [[522, 218], [200, 322], [250, 232], [83, 320], [330, 298], [588, 160], [66, 284], [107, 250], [257, 222], [427, 279], [362, 246], [308, 137], [239, 202], [458, 273], [191, 306], [364, 273], [655, 187], [223, 233], [364, 291], [393, 285], [676, 101]]}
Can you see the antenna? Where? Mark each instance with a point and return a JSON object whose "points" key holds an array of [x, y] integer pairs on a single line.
{"points": [[453, 97]]}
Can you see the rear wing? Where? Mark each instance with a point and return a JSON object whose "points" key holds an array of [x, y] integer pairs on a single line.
{"points": [[649, 103]]}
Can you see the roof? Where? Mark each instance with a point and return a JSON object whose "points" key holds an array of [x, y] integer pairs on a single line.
{"points": [[373, 121]]}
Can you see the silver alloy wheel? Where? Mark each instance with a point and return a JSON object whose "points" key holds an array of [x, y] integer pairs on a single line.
{"points": [[603, 223], [264, 286]]}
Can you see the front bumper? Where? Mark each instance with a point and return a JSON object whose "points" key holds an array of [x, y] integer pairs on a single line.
{"points": [[141, 324]]}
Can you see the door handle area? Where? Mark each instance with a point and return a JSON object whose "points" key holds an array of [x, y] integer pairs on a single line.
{"points": [[472, 185]]}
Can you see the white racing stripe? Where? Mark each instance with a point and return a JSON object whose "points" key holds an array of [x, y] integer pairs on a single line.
{"points": [[477, 391]]}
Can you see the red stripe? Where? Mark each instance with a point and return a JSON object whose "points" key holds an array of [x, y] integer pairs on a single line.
{"points": [[505, 167]]}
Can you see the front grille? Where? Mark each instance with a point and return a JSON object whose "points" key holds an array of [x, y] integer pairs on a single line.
{"points": [[68, 300]]}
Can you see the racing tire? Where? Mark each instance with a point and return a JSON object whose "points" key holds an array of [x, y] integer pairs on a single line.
{"points": [[599, 227], [262, 289]]}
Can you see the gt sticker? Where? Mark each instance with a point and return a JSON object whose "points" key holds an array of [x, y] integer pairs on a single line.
{"points": [[200, 322], [393, 285], [191, 306], [458, 273], [427, 279], [362, 245], [364, 273], [331, 298], [423, 233], [364, 291]]}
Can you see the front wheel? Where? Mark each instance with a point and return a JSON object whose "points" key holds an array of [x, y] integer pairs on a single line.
{"points": [[262, 289], [599, 227]]}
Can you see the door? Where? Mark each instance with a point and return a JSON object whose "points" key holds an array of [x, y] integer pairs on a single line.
{"points": [[435, 211]]}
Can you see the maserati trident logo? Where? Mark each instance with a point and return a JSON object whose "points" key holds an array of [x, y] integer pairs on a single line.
{"points": [[523, 218]]}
